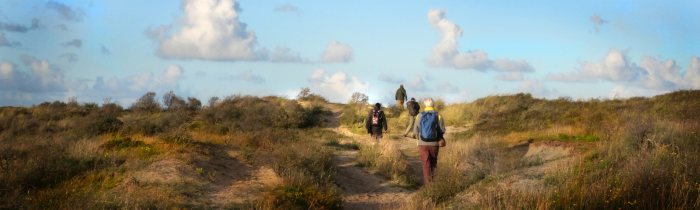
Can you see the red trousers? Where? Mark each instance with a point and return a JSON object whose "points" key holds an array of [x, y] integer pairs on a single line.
{"points": [[428, 157]]}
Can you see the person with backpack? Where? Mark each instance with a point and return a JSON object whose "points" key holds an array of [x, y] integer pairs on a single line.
{"points": [[429, 130], [413, 109], [376, 121], [400, 96]]}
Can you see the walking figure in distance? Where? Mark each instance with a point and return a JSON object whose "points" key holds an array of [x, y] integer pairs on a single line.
{"points": [[413, 109], [429, 130], [400, 96], [376, 121]]}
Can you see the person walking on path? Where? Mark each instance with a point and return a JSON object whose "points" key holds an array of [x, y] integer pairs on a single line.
{"points": [[413, 109], [429, 130], [400, 96], [376, 121]]}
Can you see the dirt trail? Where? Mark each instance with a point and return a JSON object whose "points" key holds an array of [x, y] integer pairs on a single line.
{"points": [[363, 190]]}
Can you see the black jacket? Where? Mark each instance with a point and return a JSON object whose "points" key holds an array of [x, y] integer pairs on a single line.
{"points": [[413, 108], [401, 94], [376, 129]]}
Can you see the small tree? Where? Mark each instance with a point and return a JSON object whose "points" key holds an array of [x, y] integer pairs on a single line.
{"points": [[172, 102], [304, 93], [193, 104], [213, 101], [358, 98], [147, 103]]}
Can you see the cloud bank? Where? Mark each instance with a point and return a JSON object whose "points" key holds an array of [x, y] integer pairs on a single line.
{"points": [[446, 54], [209, 30], [650, 76], [338, 86]]}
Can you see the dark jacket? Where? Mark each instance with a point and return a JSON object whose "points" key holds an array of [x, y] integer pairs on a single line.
{"points": [[376, 129], [413, 108], [401, 94]]}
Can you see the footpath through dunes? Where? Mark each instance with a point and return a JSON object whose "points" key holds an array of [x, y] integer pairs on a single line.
{"points": [[519, 166], [361, 188]]}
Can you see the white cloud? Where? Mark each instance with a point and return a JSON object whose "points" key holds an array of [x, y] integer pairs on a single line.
{"points": [[337, 52], [338, 86], [660, 75], [42, 81], [692, 74], [536, 88], [172, 74], [127, 89], [7, 70], [625, 91], [210, 30], [47, 76], [446, 52], [616, 66], [653, 76]]}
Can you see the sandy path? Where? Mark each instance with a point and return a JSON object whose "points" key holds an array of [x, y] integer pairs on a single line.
{"points": [[362, 190]]}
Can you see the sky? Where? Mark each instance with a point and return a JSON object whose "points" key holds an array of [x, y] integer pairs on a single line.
{"points": [[457, 51]]}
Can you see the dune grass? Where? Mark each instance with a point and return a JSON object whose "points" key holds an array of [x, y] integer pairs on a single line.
{"points": [[637, 153]]}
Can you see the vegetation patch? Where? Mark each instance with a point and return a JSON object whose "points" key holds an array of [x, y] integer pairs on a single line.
{"points": [[584, 138], [120, 142]]}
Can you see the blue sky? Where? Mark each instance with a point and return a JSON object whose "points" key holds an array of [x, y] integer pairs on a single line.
{"points": [[453, 50]]}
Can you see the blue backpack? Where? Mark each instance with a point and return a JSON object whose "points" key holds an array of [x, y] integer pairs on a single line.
{"points": [[429, 127]]}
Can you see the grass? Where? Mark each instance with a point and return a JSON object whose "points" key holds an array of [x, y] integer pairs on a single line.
{"points": [[61, 155], [387, 160], [638, 153]]}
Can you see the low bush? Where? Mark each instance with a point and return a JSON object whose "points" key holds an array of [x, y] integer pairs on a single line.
{"points": [[308, 174], [120, 142], [248, 113]]}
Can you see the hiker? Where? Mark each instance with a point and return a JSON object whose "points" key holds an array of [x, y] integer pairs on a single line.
{"points": [[413, 109], [376, 121], [400, 96], [429, 130]]}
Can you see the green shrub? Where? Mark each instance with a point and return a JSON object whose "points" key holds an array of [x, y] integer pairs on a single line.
{"points": [[154, 123], [248, 113]]}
